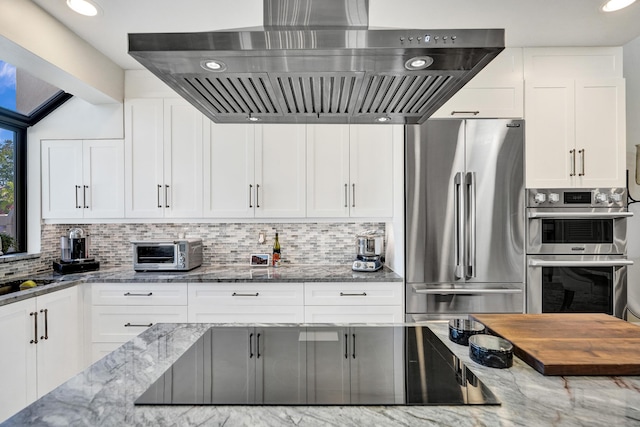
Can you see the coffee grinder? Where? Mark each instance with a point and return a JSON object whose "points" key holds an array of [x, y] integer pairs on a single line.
{"points": [[74, 253]]}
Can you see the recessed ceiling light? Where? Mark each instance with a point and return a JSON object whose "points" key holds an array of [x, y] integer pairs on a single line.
{"points": [[383, 119], [418, 63], [253, 119], [213, 65], [84, 7], [613, 5]]}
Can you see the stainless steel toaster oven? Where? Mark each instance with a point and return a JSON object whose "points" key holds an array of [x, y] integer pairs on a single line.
{"points": [[167, 255]]}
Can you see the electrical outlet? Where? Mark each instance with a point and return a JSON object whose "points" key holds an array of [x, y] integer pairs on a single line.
{"points": [[262, 238]]}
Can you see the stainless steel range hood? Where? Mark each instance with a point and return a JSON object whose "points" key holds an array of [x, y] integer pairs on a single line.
{"points": [[317, 62]]}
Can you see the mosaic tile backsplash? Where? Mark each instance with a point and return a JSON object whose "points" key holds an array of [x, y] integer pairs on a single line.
{"points": [[228, 243]]}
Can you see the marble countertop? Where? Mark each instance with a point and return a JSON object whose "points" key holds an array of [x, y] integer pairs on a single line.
{"points": [[104, 395], [226, 273]]}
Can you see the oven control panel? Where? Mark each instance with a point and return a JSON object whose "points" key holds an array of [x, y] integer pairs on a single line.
{"points": [[577, 197]]}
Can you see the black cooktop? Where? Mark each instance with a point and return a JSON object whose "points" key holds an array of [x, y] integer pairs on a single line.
{"points": [[323, 365]]}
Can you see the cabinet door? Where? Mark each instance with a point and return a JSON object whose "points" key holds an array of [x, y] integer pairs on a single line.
{"points": [[144, 180], [550, 134], [233, 365], [59, 348], [182, 160], [327, 365], [371, 170], [376, 365], [62, 179], [18, 365], [281, 366], [103, 179], [327, 170], [229, 186], [280, 171], [600, 133]]}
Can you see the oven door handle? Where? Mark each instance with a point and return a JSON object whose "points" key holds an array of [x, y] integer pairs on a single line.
{"points": [[579, 263], [467, 291], [579, 215]]}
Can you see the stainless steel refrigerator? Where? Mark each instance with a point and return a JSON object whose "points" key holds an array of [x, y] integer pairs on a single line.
{"points": [[464, 218]]}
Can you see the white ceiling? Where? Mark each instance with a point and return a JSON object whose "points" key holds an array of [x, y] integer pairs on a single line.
{"points": [[527, 22]]}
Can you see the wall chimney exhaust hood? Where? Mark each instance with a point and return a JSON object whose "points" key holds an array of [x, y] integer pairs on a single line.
{"points": [[317, 62]]}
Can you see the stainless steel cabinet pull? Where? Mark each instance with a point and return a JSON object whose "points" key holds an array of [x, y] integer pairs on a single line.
{"points": [[166, 196], [353, 195], [354, 346], [84, 196], [46, 324], [250, 346], [78, 206], [582, 160], [35, 325], [159, 190], [134, 325], [347, 294], [235, 294], [258, 346], [475, 113], [257, 195], [250, 195], [346, 346], [573, 162], [129, 294], [346, 195]]}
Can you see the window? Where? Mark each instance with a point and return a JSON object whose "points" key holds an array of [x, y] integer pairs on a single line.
{"points": [[24, 100]]}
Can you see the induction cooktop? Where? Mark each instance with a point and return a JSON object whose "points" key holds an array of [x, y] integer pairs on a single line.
{"points": [[323, 365]]}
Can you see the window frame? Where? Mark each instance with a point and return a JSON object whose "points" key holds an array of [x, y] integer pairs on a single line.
{"points": [[19, 123]]}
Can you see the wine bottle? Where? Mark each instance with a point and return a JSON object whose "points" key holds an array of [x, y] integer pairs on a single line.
{"points": [[275, 259]]}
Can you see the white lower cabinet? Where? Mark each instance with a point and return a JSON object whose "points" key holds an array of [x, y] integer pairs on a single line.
{"points": [[121, 311], [246, 302], [353, 302], [41, 347]]}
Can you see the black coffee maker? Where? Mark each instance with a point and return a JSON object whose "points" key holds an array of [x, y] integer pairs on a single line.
{"points": [[74, 256]]}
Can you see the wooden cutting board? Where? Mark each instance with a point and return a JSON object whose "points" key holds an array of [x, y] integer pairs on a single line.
{"points": [[570, 344]]}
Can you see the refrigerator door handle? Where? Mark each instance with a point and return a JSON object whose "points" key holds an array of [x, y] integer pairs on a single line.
{"points": [[470, 184], [459, 240]]}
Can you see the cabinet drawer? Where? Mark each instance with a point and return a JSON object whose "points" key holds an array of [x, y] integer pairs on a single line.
{"points": [[385, 293], [139, 294], [245, 294], [121, 323], [246, 314], [354, 314]]}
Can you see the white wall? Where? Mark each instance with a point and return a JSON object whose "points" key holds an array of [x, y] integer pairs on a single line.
{"points": [[632, 75]]}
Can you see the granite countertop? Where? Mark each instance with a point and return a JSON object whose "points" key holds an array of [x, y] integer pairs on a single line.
{"points": [[227, 273], [104, 395]]}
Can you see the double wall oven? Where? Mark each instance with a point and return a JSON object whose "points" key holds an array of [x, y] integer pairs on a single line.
{"points": [[576, 251]]}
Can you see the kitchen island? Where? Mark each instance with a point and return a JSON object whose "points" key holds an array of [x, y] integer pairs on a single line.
{"points": [[104, 395]]}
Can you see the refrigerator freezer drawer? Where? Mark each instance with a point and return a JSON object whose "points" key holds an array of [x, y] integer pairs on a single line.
{"points": [[439, 302]]}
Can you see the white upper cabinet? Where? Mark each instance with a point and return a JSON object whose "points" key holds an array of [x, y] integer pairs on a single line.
{"points": [[254, 171], [82, 179], [163, 154], [575, 118], [350, 170], [495, 92]]}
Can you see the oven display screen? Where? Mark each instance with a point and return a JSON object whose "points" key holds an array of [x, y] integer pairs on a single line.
{"points": [[577, 231], [577, 197]]}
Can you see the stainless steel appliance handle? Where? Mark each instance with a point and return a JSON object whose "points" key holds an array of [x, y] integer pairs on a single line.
{"points": [[458, 200], [592, 215], [35, 326], [462, 291], [84, 196], [582, 160], [46, 324], [470, 268], [573, 162], [250, 195], [579, 263]]}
